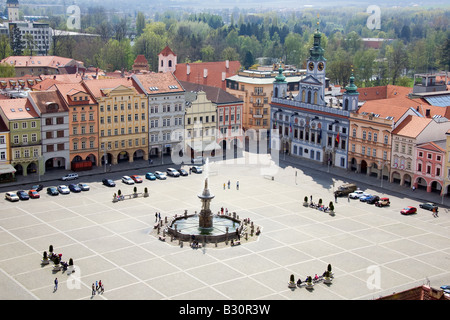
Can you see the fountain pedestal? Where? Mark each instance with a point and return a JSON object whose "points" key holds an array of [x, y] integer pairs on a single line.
{"points": [[206, 216]]}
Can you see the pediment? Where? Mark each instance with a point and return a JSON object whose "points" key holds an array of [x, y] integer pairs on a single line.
{"points": [[311, 80]]}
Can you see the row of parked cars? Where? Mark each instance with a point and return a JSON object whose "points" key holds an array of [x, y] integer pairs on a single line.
{"points": [[33, 193], [157, 175], [381, 202]]}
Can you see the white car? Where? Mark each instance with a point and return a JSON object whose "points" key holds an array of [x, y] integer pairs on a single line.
{"points": [[11, 196], [127, 180], [172, 172], [357, 194], [70, 176], [63, 189]]}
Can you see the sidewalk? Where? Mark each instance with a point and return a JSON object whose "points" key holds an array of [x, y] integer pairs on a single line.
{"points": [[56, 174], [364, 181]]}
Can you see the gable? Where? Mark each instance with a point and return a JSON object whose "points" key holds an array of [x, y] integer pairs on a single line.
{"points": [[310, 80]]}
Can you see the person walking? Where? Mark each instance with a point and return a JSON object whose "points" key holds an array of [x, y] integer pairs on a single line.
{"points": [[156, 216], [56, 285], [93, 289], [224, 186], [229, 183], [237, 185]]}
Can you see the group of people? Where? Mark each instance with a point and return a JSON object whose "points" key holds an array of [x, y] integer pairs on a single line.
{"points": [[310, 279], [157, 216], [229, 185], [222, 211], [98, 287]]}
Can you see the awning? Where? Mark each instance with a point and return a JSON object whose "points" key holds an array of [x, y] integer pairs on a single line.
{"points": [[6, 168]]}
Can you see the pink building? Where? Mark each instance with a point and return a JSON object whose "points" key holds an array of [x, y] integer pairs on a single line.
{"points": [[429, 171]]}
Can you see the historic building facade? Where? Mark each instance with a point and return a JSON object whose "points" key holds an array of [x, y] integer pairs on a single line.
{"points": [[307, 125]]}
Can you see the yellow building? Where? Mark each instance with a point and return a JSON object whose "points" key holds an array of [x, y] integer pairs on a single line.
{"points": [[122, 115]]}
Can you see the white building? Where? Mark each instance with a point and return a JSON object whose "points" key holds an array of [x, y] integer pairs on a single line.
{"points": [[166, 103]]}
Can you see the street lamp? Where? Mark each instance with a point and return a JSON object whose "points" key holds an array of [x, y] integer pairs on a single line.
{"points": [[105, 158]]}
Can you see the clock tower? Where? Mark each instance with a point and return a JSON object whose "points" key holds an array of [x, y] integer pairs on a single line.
{"points": [[312, 87], [316, 64]]}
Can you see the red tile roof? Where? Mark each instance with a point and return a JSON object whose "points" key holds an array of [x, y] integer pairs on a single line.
{"points": [[166, 51], [412, 126], [15, 109], [214, 72], [96, 87], [161, 81], [42, 98]]}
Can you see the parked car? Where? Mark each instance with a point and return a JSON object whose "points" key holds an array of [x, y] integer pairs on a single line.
{"points": [[409, 210], [357, 194], [70, 176], [183, 172], [383, 202], [84, 187], [197, 169], [365, 197], [198, 159], [160, 175], [373, 199], [428, 206], [108, 183], [63, 189], [11, 196], [53, 191], [150, 176], [345, 189], [34, 194], [172, 172], [136, 178], [127, 180], [23, 195], [37, 187], [74, 187]]}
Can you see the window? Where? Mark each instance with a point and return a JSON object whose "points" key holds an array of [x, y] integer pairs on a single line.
{"points": [[33, 137], [386, 139], [375, 137], [364, 135], [354, 133]]}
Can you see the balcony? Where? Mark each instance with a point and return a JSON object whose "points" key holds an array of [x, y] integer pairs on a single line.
{"points": [[258, 104], [259, 94]]}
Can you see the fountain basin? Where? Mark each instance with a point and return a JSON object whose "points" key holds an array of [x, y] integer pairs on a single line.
{"points": [[185, 227]]}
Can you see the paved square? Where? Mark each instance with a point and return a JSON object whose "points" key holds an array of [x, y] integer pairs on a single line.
{"points": [[373, 251]]}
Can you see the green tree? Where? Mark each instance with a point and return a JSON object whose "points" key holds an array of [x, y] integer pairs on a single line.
{"points": [[7, 71], [140, 23], [5, 47], [397, 59], [208, 53]]}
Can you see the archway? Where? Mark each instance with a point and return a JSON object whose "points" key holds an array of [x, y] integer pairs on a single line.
{"points": [[435, 187], [122, 157], [421, 183], [32, 168], [353, 165], [374, 172], [396, 178], [108, 159], [407, 180], [19, 169], [138, 155], [364, 167]]}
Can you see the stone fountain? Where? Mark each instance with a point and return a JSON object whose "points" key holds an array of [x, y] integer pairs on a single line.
{"points": [[206, 216]]}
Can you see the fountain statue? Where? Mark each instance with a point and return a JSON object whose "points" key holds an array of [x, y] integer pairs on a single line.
{"points": [[206, 216]]}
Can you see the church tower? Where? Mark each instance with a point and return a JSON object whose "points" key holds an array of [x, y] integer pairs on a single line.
{"points": [[13, 10], [280, 85], [350, 97], [312, 87], [167, 60]]}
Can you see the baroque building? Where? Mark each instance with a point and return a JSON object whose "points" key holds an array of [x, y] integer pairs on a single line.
{"points": [[309, 125]]}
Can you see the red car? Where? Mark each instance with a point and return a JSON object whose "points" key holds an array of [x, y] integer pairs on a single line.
{"points": [[34, 194], [136, 179], [408, 210]]}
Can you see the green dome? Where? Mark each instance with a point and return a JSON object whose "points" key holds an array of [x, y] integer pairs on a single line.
{"points": [[280, 78]]}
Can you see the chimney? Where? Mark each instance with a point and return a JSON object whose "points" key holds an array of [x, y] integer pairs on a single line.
{"points": [[224, 75], [427, 113], [205, 73], [227, 64], [188, 69]]}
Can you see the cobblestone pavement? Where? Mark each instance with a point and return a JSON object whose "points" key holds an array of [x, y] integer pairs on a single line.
{"points": [[373, 251]]}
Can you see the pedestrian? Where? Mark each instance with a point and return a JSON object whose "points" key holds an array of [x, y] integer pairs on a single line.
{"points": [[93, 289], [310, 198], [335, 198], [56, 285], [102, 289], [100, 284], [224, 186], [413, 188], [96, 286], [229, 183], [437, 210], [221, 210], [156, 216], [237, 185], [348, 198], [190, 170], [159, 216]]}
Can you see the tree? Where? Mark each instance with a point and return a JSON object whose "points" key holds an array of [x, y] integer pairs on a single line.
{"points": [[140, 23], [397, 59], [207, 53], [5, 47], [230, 54], [16, 41], [249, 60], [7, 70]]}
